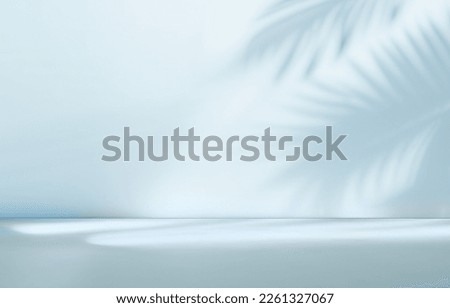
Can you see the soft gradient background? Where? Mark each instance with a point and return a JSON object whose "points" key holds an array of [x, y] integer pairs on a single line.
{"points": [[73, 72]]}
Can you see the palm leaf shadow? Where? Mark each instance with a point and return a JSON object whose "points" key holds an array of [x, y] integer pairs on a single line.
{"points": [[308, 28], [390, 112]]}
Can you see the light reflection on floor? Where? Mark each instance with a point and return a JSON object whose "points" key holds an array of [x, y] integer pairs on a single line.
{"points": [[225, 252]]}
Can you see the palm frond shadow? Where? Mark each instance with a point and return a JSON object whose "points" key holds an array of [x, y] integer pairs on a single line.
{"points": [[392, 115], [308, 29]]}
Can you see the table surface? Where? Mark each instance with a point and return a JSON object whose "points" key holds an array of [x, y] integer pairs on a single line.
{"points": [[225, 253]]}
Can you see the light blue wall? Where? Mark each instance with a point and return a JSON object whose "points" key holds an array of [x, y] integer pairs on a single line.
{"points": [[73, 72]]}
